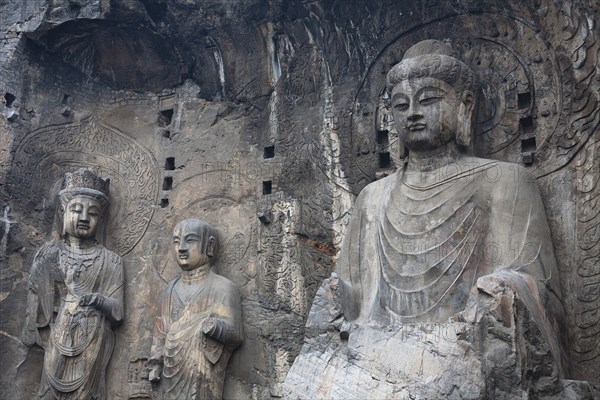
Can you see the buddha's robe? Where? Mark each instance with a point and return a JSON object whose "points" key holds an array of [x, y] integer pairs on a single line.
{"points": [[193, 362], [78, 340], [414, 251]]}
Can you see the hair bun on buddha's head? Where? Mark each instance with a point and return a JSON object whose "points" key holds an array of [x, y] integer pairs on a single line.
{"points": [[430, 46], [434, 59]]}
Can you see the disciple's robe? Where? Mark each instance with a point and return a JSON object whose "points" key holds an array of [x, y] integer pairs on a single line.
{"points": [[194, 363]]}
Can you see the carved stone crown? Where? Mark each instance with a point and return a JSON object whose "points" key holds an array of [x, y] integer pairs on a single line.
{"points": [[85, 181]]}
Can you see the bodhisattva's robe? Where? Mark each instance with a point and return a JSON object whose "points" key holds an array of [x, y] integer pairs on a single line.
{"points": [[413, 252], [194, 363], [78, 340]]}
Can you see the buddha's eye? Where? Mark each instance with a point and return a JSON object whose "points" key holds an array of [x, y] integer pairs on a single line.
{"points": [[175, 241], [430, 97], [401, 106]]}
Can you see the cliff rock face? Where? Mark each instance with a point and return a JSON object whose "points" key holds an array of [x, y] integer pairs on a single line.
{"points": [[266, 118]]}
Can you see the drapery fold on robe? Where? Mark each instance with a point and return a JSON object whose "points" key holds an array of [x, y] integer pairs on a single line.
{"points": [[78, 340], [193, 362], [415, 247]]}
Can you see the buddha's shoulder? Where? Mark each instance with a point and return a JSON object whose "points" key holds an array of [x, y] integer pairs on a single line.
{"points": [[499, 172], [375, 189]]}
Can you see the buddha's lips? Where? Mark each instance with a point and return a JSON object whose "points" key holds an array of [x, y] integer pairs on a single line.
{"points": [[83, 226], [416, 127]]}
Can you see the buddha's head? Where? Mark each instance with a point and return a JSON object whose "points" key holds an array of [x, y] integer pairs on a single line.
{"points": [[433, 97], [83, 204], [195, 244]]}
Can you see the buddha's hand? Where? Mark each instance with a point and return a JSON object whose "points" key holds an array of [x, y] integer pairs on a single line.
{"points": [[95, 300], [154, 370]]}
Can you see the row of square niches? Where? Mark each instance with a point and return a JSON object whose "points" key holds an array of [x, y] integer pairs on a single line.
{"points": [[167, 180], [267, 186], [165, 117]]}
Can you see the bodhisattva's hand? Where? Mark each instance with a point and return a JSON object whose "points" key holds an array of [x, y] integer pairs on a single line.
{"points": [[93, 299], [209, 326]]}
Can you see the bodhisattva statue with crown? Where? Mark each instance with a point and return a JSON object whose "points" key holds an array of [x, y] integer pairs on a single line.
{"points": [[437, 262], [75, 295]]}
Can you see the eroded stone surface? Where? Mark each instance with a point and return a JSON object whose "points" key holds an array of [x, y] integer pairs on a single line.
{"points": [[201, 89]]}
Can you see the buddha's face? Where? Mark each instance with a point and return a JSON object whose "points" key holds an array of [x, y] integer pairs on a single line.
{"points": [[426, 112], [188, 245], [82, 217]]}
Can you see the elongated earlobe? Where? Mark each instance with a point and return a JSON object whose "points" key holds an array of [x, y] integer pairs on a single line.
{"points": [[210, 251], [465, 119]]}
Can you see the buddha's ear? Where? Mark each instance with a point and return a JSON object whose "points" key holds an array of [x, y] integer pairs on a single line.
{"points": [[465, 119], [210, 249]]}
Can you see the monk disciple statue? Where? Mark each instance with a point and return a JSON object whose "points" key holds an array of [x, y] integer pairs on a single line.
{"points": [[199, 322], [76, 294], [437, 256]]}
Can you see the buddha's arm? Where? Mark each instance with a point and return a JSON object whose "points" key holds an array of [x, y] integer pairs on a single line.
{"points": [[522, 257], [519, 237]]}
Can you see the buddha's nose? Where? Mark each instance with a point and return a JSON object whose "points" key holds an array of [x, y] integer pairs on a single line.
{"points": [[414, 115]]}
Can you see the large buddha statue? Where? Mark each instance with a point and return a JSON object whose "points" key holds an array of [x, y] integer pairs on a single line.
{"points": [[199, 322], [450, 241], [76, 294]]}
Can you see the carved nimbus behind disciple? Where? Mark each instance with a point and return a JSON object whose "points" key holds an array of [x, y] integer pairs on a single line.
{"points": [[199, 321], [75, 295]]}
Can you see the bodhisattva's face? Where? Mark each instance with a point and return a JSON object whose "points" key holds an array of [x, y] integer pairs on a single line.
{"points": [[426, 112], [82, 217], [187, 241]]}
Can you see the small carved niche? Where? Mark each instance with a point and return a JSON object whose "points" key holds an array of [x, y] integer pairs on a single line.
{"points": [[167, 134], [528, 144], [165, 117], [267, 187], [10, 99], [269, 152], [526, 125], [170, 163], [385, 160], [65, 99], [524, 100], [164, 203], [383, 138], [167, 183]]}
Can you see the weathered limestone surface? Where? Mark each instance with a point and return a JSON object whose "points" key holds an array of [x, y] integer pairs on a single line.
{"points": [[266, 119]]}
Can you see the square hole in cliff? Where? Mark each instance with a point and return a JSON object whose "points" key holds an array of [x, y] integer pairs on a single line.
{"points": [[267, 187], [170, 163], [269, 152], [384, 160], [10, 99], [165, 117], [167, 183]]}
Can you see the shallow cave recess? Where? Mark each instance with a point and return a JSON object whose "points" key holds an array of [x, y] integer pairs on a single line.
{"points": [[120, 55]]}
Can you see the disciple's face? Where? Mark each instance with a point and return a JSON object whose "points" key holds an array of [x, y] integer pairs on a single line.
{"points": [[82, 217], [426, 112], [188, 242]]}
